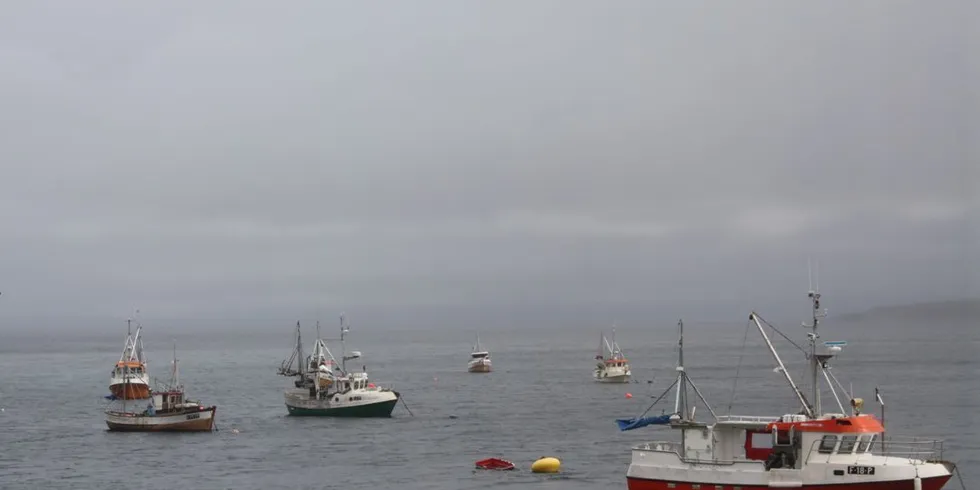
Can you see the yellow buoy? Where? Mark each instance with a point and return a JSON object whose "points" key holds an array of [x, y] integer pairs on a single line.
{"points": [[546, 465]]}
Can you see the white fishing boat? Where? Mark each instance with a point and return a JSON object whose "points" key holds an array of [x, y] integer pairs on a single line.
{"points": [[129, 379], [168, 410], [808, 449], [612, 365], [325, 388], [479, 359]]}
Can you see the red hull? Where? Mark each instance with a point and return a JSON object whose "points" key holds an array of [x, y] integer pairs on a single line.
{"points": [[927, 484], [132, 391]]}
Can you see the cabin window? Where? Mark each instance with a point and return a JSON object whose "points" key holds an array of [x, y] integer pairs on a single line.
{"points": [[847, 444], [865, 444], [827, 444]]}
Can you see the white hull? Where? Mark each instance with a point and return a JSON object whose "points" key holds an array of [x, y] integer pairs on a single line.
{"points": [[658, 465], [479, 366], [612, 374], [354, 403]]}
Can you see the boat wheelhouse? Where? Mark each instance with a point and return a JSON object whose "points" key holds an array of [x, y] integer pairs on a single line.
{"points": [[810, 449]]}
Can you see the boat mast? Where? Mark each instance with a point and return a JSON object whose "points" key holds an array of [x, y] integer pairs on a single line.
{"points": [[175, 376], [815, 362], [681, 405], [680, 401], [343, 345], [299, 351], [782, 367], [129, 339]]}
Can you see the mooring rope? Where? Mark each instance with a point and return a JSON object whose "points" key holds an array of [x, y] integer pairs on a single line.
{"points": [[402, 398], [959, 475]]}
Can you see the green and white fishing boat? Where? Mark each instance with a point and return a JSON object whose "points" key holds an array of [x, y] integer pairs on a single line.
{"points": [[325, 388]]}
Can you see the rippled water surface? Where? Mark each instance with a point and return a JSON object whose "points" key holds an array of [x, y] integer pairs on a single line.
{"points": [[539, 401]]}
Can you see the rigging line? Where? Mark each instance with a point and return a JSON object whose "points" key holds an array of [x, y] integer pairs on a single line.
{"points": [[696, 390], [826, 376], [662, 395], [781, 334], [739, 367], [839, 385]]}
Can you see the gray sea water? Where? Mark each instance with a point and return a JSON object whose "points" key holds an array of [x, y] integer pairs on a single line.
{"points": [[539, 401]]}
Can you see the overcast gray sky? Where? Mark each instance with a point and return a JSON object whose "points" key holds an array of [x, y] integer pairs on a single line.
{"points": [[236, 159]]}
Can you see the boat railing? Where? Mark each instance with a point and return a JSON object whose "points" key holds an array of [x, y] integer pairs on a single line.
{"points": [[909, 447], [660, 446], [754, 419], [375, 386], [675, 448], [902, 449]]}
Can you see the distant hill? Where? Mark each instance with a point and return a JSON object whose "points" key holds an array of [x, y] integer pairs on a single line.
{"points": [[959, 308]]}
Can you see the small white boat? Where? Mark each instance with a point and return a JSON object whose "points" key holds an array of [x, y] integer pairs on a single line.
{"points": [[612, 366], [479, 359]]}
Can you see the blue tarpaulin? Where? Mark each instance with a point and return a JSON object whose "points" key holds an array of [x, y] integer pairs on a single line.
{"points": [[111, 397], [636, 423]]}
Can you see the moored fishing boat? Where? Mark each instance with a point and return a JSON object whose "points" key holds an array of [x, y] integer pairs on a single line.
{"points": [[325, 388], [479, 359], [129, 379], [167, 411], [612, 365], [810, 449]]}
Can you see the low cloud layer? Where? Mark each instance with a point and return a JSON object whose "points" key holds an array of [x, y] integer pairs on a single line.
{"points": [[253, 158]]}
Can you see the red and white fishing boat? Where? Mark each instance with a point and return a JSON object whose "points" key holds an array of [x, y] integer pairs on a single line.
{"points": [[612, 365], [129, 379], [810, 449]]}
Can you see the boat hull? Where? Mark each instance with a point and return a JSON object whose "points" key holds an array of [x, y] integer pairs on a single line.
{"points": [[198, 421], [480, 367], [622, 378], [376, 409], [130, 391], [935, 483], [356, 403]]}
